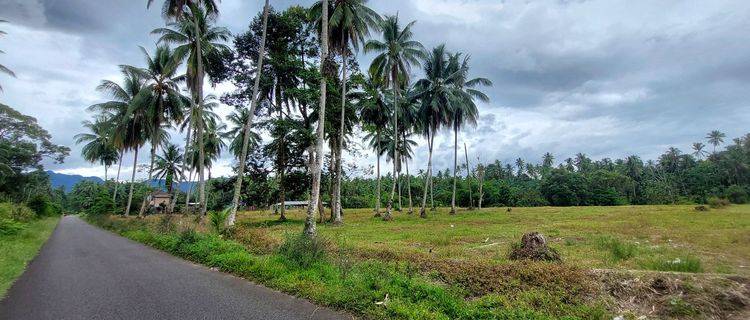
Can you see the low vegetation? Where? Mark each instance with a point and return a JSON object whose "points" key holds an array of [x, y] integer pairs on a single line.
{"points": [[458, 267], [18, 248]]}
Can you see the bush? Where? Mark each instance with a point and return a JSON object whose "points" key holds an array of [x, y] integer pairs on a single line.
{"points": [[218, 220], [619, 250], [718, 203], [42, 205], [689, 264], [102, 205], [17, 212], [736, 194], [10, 227], [303, 250]]}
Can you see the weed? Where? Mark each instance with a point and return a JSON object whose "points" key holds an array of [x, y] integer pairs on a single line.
{"points": [[10, 227], [218, 219], [619, 250], [718, 203], [304, 250], [689, 264], [680, 308]]}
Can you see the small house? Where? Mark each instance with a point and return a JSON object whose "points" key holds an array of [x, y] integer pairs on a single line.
{"points": [[159, 199]]}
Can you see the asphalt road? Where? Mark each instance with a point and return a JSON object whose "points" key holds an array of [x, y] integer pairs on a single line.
{"points": [[84, 272]]}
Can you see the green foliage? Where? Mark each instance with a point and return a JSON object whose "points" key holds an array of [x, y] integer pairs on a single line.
{"points": [[619, 250], [680, 308], [718, 203], [218, 220], [736, 194], [10, 227], [303, 250], [688, 264], [17, 212], [18, 249], [43, 205]]}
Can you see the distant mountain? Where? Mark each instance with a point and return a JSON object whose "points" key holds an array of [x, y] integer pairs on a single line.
{"points": [[67, 181]]}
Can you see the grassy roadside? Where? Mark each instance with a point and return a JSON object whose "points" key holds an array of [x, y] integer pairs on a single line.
{"points": [[17, 250], [380, 288]]}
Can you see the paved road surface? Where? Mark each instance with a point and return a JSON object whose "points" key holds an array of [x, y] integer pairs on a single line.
{"points": [[84, 272]]}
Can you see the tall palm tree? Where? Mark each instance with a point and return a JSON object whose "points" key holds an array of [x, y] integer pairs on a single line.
{"points": [[698, 151], [197, 41], [99, 145], [129, 126], [247, 132], [397, 52], [4, 69], [350, 23], [464, 108], [312, 207], [373, 111], [162, 101], [202, 115], [236, 135], [169, 166], [715, 138], [437, 93]]}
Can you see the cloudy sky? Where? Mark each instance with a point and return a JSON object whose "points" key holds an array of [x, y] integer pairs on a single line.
{"points": [[606, 78]]}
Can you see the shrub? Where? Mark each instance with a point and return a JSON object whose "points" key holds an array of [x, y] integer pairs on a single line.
{"points": [[619, 250], [42, 205], [689, 264], [18, 212], [717, 203], [102, 205], [166, 224], [736, 194], [303, 250], [10, 227], [218, 219]]}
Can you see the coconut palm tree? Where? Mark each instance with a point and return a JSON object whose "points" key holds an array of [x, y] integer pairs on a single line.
{"points": [[715, 138], [464, 110], [698, 151], [199, 43], [437, 92], [312, 207], [169, 166], [373, 112], [162, 101], [205, 114], [396, 53], [350, 22], [99, 145], [236, 135], [4, 69], [247, 129], [129, 126]]}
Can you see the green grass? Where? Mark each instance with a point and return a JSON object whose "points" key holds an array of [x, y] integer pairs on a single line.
{"points": [[689, 264], [17, 250], [624, 237]]}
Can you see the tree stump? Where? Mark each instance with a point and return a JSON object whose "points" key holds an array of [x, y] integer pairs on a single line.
{"points": [[533, 246]]}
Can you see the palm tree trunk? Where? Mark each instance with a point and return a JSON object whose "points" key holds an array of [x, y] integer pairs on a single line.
{"points": [[132, 182], [148, 182], [185, 166], [468, 178], [428, 175], [105, 174], [309, 229], [246, 130], [389, 208], [337, 189], [432, 191], [377, 169], [117, 180], [199, 102], [455, 160], [408, 187]]}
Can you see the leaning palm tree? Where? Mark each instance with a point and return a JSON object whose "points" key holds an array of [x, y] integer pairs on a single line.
{"points": [[247, 133], [698, 151], [99, 146], [437, 92], [350, 23], [715, 138], [373, 111], [129, 126], [312, 207], [169, 166], [162, 100], [4, 69], [397, 52], [464, 108], [198, 43]]}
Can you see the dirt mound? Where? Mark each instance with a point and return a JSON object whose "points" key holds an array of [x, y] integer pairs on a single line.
{"points": [[533, 246]]}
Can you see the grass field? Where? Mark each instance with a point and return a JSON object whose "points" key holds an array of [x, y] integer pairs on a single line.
{"points": [[17, 250], [627, 237]]}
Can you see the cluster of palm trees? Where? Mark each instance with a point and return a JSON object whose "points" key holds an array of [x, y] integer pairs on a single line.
{"points": [[393, 108], [714, 138]]}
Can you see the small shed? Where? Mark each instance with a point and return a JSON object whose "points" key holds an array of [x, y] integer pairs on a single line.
{"points": [[159, 199]]}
